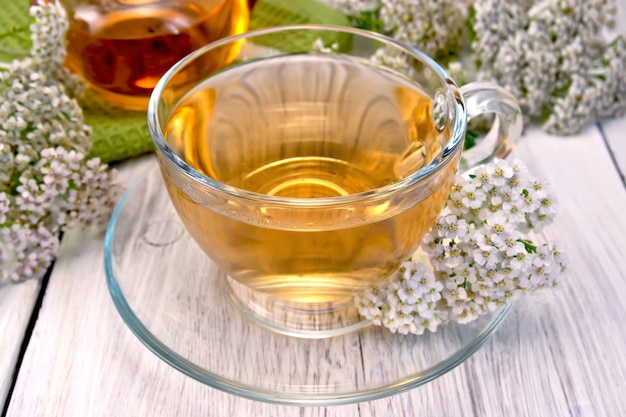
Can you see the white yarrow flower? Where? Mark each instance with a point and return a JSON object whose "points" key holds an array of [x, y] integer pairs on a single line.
{"points": [[552, 56], [45, 183], [477, 264]]}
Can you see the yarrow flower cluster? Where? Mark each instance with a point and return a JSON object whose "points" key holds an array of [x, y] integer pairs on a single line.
{"points": [[46, 185], [48, 52], [480, 251], [435, 27], [553, 55]]}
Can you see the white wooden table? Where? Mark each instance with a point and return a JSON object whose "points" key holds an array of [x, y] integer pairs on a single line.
{"points": [[558, 354]]}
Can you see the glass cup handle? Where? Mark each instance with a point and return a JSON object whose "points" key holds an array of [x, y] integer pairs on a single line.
{"points": [[484, 98]]}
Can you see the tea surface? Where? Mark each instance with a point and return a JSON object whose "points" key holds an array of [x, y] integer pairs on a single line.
{"points": [[339, 126], [307, 127]]}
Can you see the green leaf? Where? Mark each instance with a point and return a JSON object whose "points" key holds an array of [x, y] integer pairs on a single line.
{"points": [[471, 19], [528, 245], [369, 20], [470, 139], [14, 182]]}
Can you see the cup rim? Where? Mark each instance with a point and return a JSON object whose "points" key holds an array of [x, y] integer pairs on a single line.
{"points": [[457, 126]]}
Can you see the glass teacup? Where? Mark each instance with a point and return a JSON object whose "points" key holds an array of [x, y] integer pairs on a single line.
{"points": [[308, 170]]}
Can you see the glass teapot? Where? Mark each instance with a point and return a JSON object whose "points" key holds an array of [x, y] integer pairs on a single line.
{"points": [[121, 48]]}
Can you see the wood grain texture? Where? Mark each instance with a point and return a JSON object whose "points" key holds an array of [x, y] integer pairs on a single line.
{"points": [[16, 306], [83, 360], [558, 353]]}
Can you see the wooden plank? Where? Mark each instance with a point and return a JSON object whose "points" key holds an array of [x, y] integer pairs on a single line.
{"points": [[83, 360], [558, 353], [16, 307]]}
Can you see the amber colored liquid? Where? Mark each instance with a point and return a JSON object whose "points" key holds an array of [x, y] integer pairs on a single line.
{"points": [[306, 127], [123, 52]]}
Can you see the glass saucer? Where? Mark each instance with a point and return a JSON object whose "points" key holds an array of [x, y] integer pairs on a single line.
{"points": [[176, 302]]}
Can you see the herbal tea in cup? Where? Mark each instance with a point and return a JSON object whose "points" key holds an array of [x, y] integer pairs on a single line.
{"points": [[121, 48], [308, 175]]}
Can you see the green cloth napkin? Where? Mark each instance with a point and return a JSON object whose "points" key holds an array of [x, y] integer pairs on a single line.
{"points": [[119, 134]]}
